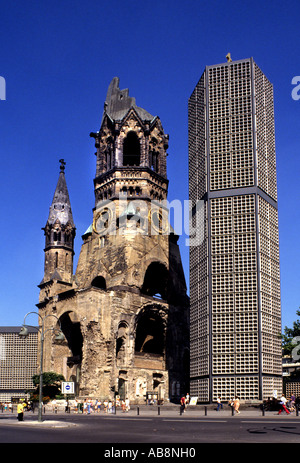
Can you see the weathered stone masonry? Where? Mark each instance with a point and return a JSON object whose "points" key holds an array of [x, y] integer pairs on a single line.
{"points": [[125, 312]]}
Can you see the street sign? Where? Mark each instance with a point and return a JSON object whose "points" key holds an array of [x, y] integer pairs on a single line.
{"points": [[67, 387]]}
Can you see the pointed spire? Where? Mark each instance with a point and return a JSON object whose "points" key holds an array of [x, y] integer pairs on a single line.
{"points": [[60, 208]]}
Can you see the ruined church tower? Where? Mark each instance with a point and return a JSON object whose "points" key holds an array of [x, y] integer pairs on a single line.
{"points": [[125, 312]]}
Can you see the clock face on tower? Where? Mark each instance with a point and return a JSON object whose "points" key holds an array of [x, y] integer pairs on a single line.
{"points": [[102, 220], [158, 221]]}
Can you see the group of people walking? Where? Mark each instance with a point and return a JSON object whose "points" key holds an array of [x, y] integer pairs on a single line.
{"points": [[285, 405], [234, 403], [107, 406]]}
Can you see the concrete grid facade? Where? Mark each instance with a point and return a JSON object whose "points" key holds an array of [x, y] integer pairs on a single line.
{"points": [[235, 279], [18, 362]]}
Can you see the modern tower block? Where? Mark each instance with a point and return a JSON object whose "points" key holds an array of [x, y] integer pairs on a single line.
{"points": [[234, 265]]}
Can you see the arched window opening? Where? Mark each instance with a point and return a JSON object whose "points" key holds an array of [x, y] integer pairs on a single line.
{"points": [[157, 381], [131, 150], [150, 334], [154, 161], [120, 347], [74, 338], [121, 339], [109, 158], [156, 281], [57, 236], [122, 388], [99, 282], [109, 154]]}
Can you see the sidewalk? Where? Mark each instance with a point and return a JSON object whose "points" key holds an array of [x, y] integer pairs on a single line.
{"points": [[200, 411], [153, 411]]}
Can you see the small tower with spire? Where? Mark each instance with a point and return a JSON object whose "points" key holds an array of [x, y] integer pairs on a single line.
{"points": [[59, 236]]}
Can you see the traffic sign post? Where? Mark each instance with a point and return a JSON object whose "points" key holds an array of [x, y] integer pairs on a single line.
{"points": [[67, 387]]}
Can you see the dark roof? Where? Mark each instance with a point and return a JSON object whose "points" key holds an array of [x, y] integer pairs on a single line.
{"points": [[61, 206], [118, 102], [16, 329]]}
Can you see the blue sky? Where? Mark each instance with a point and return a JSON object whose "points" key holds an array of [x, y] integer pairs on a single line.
{"points": [[58, 58]]}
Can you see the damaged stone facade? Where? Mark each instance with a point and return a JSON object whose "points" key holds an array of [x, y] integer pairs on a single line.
{"points": [[125, 312]]}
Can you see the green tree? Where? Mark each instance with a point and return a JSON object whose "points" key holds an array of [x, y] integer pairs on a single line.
{"points": [[289, 334], [51, 383]]}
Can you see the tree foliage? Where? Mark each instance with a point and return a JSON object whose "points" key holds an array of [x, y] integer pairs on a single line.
{"points": [[51, 383], [289, 334], [50, 378]]}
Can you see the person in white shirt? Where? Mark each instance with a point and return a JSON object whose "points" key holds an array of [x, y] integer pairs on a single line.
{"points": [[283, 405], [220, 405]]}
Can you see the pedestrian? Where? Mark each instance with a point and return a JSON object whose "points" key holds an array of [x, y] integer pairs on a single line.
{"points": [[123, 406], [88, 407], [76, 406], [236, 405], [20, 410], [99, 406], [85, 406], [187, 399], [54, 406], [282, 404], [220, 405], [182, 404], [110, 406], [113, 408], [292, 403], [105, 405], [67, 406], [127, 404]]}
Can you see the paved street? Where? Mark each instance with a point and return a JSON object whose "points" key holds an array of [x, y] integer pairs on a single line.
{"points": [[153, 426]]}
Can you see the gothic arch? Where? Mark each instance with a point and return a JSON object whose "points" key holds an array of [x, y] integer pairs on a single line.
{"points": [[121, 338], [99, 282], [156, 280], [131, 149], [72, 331], [150, 330]]}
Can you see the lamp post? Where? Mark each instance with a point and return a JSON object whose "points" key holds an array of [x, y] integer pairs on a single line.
{"points": [[59, 337]]}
